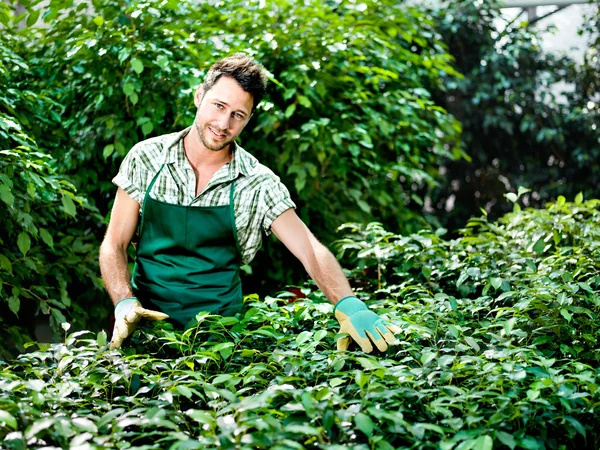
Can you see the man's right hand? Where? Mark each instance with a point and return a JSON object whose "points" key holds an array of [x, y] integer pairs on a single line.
{"points": [[128, 313]]}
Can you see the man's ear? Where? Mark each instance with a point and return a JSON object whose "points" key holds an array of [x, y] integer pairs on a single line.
{"points": [[198, 95]]}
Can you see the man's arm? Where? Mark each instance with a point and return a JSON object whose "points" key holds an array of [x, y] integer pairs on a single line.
{"points": [[113, 251], [361, 324], [318, 261]]}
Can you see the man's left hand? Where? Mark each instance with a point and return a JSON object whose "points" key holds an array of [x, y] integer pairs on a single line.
{"points": [[363, 326]]}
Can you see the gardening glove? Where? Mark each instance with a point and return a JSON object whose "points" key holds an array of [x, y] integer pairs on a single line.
{"points": [[128, 313], [363, 326]]}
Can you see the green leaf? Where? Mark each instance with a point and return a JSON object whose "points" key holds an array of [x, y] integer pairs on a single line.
{"points": [[128, 89], [137, 65], [579, 198], [484, 443], [560, 201], [83, 424], [289, 111], [134, 98], [47, 238], [5, 263], [24, 242], [8, 419], [101, 338], [566, 314], [33, 17], [496, 282], [364, 423], [472, 343], [506, 439], [6, 195], [108, 150], [162, 61], [303, 337], [319, 335], [68, 205], [511, 197], [304, 101], [14, 303], [31, 189], [58, 316], [147, 128], [98, 20]]}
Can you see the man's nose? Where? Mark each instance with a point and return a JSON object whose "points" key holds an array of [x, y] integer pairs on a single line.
{"points": [[223, 121]]}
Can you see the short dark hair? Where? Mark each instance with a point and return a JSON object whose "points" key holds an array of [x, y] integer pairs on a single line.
{"points": [[248, 73]]}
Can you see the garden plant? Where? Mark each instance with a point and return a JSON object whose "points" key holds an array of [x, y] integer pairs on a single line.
{"points": [[498, 350]]}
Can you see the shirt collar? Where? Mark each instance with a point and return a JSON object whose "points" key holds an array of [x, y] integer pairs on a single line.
{"points": [[241, 162]]}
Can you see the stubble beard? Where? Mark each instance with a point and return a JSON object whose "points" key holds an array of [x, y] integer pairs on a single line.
{"points": [[202, 134]]}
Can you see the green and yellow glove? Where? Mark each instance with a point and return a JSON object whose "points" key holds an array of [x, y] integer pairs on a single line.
{"points": [[363, 326], [128, 313]]}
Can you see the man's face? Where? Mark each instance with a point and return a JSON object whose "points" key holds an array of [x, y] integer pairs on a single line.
{"points": [[223, 112]]}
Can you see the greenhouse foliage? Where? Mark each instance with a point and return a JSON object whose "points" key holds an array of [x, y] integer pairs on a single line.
{"points": [[367, 102], [498, 349]]}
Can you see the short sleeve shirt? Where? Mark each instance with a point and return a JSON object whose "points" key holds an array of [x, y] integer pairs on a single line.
{"points": [[259, 196]]}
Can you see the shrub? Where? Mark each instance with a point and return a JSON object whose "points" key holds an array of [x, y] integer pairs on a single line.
{"points": [[498, 349]]}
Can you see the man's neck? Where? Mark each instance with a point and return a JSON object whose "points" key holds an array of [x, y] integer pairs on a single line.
{"points": [[199, 156]]}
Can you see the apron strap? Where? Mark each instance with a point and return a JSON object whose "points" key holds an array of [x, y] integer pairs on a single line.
{"points": [[232, 213]]}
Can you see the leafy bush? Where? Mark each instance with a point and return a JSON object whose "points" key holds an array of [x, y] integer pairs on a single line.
{"points": [[498, 349], [42, 251], [516, 129], [347, 122]]}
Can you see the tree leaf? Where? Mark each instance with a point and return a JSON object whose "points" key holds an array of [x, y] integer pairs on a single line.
{"points": [[496, 282], [8, 419], [5, 263], [101, 338], [483, 443], [68, 205], [47, 238], [14, 303], [24, 242], [289, 111], [33, 17], [303, 337], [137, 65], [108, 150], [364, 423], [6, 195], [128, 89], [566, 314]]}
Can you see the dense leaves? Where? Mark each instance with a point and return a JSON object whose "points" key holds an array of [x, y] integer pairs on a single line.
{"points": [[41, 251], [498, 349], [349, 123], [529, 117]]}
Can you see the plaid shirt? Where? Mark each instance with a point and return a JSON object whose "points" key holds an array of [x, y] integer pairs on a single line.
{"points": [[259, 196]]}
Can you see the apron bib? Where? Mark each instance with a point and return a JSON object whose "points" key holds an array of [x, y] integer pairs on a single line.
{"points": [[187, 259]]}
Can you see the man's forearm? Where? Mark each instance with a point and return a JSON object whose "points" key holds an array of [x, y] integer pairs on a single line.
{"points": [[115, 272], [325, 270]]}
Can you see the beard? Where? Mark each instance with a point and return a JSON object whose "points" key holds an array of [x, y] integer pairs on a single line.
{"points": [[205, 137]]}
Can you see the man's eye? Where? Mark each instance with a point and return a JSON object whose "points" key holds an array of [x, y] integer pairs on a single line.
{"points": [[218, 105], [238, 116]]}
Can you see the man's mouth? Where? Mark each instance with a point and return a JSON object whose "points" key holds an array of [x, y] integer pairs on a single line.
{"points": [[216, 133]]}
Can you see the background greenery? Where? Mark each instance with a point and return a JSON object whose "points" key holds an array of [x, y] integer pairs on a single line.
{"points": [[380, 115]]}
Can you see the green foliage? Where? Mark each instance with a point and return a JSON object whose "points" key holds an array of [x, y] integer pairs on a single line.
{"points": [[516, 129], [42, 253], [348, 123], [498, 349]]}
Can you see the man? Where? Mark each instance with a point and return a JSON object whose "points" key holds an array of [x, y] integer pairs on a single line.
{"points": [[202, 202]]}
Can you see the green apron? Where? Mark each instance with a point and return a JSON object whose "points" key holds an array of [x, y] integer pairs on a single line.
{"points": [[187, 259]]}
